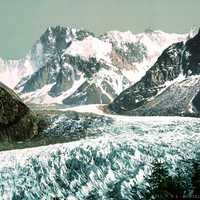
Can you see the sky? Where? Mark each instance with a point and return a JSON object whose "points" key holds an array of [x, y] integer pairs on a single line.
{"points": [[23, 21]]}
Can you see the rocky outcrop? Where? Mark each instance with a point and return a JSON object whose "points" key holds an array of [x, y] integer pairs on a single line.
{"points": [[167, 68], [70, 124], [87, 93], [16, 120], [180, 99], [191, 56], [39, 79], [169, 87], [53, 41]]}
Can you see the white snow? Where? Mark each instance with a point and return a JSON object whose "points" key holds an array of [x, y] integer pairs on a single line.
{"points": [[98, 109], [140, 176], [113, 76], [41, 96], [12, 71], [137, 72], [91, 47], [92, 108], [155, 42]]}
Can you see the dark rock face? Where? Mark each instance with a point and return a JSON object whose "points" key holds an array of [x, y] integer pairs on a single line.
{"points": [[196, 103], [88, 67], [149, 96], [52, 43], [191, 56], [87, 93], [165, 69], [16, 120], [63, 82], [174, 101], [135, 52], [42, 77], [62, 74]]}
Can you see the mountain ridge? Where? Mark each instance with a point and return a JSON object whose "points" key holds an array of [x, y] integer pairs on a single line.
{"points": [[63, 60], [155, 95]]}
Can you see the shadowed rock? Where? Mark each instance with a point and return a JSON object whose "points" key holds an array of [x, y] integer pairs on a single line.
{"points": [[167, 68], [16, 120]]}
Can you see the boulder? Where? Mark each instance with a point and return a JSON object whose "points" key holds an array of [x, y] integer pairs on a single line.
{"points": [[17, 122]]}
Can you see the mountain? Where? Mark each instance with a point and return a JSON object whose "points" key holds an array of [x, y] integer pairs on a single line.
{"points": [[73, 66], [12, 71], [169, 87], [16, 120]]}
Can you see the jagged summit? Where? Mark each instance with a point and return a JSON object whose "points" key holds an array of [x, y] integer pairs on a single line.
{"points": [[58, 34], [68, 63]]}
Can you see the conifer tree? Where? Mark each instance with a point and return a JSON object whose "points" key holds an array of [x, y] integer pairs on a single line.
{"points": [[162, 186], [196, 177]]}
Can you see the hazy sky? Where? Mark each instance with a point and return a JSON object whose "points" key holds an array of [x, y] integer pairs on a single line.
{"points": [[23, 21]]}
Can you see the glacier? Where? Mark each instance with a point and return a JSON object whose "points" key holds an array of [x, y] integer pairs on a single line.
{"points": [[85, 153], [114, 161]]}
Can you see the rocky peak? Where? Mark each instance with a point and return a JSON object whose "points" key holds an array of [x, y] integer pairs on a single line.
{"points": [[65, 58], [178, 60], [53, 42], [61, 37], [56, 37]]}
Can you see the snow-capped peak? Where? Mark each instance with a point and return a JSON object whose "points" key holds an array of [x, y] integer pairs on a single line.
{"points": [[63, 55]]}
